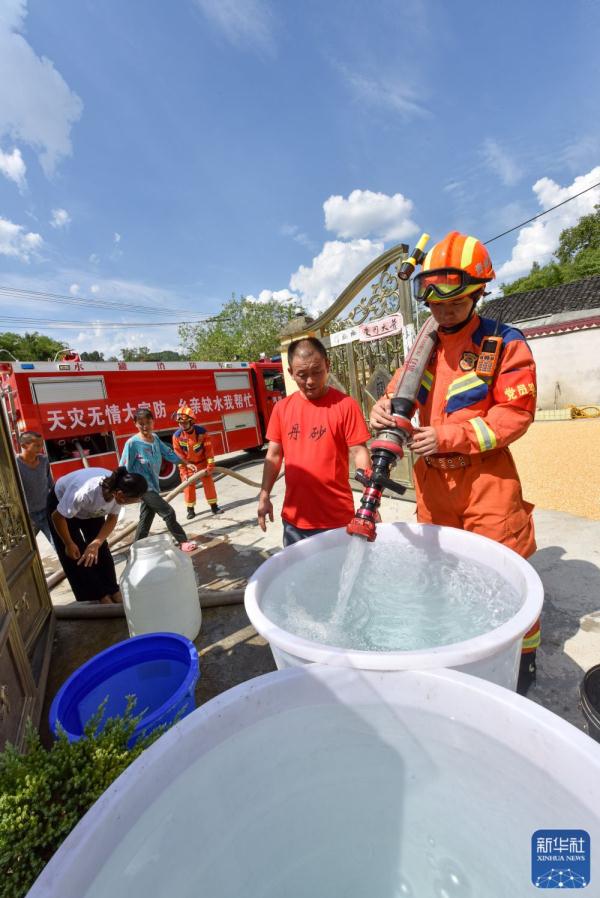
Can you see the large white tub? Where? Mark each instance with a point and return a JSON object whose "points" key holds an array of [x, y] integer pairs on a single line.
{"points": [[493, 655], [321, 781]]}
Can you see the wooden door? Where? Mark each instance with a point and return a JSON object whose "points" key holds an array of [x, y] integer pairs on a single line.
{"points": [[26, 619]]}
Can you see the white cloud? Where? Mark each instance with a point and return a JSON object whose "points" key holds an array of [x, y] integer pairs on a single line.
{"points": [[126, 292], [385, 93], [331, 271], [17, 242], [136, 291], [12, 14], [37, 106], [244, 24], [299, 236], [116, 237], [110, 341], [368, 214], [94, 258], [94, 288], [582, 152], [13, 167], [537, 241], [90, 335], [60, 218], [283, 296], [499, 161]]}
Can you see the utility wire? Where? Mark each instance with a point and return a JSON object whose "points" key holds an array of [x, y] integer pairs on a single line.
{"points": [[98, 324], [37, 295], [540, 214]]}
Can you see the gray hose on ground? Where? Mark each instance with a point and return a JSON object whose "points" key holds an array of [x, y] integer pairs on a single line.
{"points": [[117, 538], [87, 611], [209, 598]]}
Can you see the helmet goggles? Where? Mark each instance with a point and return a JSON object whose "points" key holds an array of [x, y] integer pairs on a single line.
{"points": [[440, 284]]}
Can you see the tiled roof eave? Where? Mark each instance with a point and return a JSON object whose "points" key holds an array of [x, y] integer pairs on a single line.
{"points": [[563, 327], [574, 296]]}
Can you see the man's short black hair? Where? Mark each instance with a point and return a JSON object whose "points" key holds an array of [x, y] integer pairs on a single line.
{"points": [[28, 436], [315, 344]]}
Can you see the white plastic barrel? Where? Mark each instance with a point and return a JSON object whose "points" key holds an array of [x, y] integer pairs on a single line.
{"points": [[159, 589], [493, 655], [322, 781]]}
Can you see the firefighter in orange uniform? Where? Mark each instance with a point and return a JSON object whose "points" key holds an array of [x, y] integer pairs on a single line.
{"points": [[465, 476], [194, 448]]}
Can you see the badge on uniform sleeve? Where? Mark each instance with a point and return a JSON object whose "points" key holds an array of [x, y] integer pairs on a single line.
{"points": [[468, 360]]}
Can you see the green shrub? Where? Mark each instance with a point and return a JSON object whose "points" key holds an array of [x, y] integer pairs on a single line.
{"points": [[43, 794]]}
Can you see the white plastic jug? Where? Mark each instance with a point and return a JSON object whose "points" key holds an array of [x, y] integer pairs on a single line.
{"points": [[159, 589]]}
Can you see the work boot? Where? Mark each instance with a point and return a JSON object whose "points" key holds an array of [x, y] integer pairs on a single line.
{"points": [[527, 673], [215, 509], [190, 513]]}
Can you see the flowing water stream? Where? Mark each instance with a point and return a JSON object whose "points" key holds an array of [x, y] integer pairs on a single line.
{"points": [[388, 597]]}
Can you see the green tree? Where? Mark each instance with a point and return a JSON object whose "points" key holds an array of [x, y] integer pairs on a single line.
{"points": [[135, 354], [144, 354], [94, 356], [241, 330], [167, 355], [577, 256], [29, 347], [581, 237]]}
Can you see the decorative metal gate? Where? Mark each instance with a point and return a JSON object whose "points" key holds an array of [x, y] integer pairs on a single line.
{"points": [[26, 620], [363, 369]]}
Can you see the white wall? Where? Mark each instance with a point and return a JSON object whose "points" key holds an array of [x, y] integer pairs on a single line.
{"points": [[573, 361]]}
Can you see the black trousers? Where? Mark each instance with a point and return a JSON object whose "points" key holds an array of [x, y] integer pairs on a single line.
{"points": [[293, 534], [154, 504], [89, 584]]}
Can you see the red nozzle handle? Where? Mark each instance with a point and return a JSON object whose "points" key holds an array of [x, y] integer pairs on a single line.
{"points": [[360, 527]]}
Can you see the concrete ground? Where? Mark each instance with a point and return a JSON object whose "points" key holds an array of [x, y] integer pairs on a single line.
{"points": [[568, 561]]}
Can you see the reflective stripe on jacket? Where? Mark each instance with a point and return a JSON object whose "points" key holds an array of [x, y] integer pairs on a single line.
{"points": [[195, 448], [471, 414]]}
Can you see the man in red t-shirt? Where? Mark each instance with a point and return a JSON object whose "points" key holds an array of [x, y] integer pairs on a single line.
{"points": [[314, 429]]}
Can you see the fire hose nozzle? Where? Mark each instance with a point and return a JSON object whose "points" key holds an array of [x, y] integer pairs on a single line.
{"points": [[385, 452], [418, 254], [363, 528]]}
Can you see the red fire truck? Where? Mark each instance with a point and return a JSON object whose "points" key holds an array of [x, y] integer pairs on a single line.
{"points": [[84, 410]]}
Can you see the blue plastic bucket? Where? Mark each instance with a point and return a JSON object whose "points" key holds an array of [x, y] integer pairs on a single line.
{"points": [[160, 669]]}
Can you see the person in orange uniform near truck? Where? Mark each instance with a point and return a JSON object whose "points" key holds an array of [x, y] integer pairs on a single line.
{"points": [[465, 476], [195, 449]]}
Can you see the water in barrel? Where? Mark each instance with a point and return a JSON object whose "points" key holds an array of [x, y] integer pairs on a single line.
{"points": [[387, 597]]}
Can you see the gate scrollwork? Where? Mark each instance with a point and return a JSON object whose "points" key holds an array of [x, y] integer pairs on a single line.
{"points": [[384, 300]]}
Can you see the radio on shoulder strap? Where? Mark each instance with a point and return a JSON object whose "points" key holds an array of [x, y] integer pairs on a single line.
{"points": [[489, 357]]}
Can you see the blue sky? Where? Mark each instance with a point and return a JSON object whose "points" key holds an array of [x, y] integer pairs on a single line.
{"points": [[162, 155]]}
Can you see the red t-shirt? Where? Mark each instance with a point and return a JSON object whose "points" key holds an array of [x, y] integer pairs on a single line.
{"points": [[315, 436]]}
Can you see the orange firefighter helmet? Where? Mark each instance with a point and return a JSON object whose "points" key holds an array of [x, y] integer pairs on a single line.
{"points": [[455, 267], [187, 411]]}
